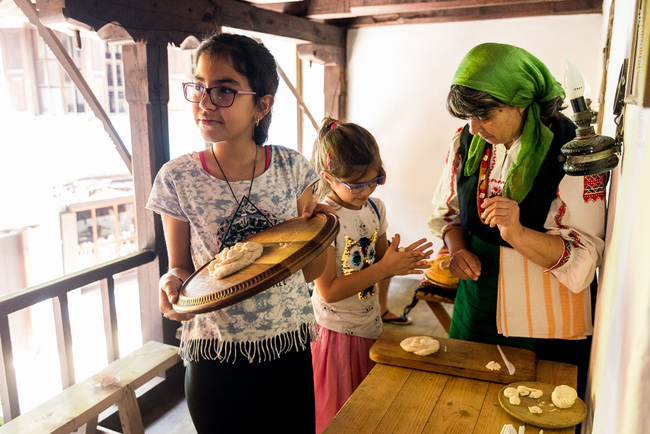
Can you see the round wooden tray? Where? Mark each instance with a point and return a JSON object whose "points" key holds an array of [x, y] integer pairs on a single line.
{"points": [[551, 416], [288, 247]]}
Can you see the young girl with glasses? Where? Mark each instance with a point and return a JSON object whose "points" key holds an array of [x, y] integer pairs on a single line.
{"points": [[248, 365], [359, 263]]}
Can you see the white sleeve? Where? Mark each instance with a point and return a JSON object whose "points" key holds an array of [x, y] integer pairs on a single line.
{"points": [[578, 216], [446, 209]]}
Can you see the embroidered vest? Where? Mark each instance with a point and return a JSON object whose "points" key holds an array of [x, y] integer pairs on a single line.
{"points": [[533, 210]]}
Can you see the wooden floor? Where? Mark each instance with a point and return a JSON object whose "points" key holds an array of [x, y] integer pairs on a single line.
{"points": [[177, 419]]}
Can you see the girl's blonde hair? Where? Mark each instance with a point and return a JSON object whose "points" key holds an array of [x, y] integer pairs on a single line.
{"points": [[344, 150]]}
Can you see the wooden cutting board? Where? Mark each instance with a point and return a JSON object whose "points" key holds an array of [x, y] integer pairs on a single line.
{"points": [[288, 247], [551, 416], [456, 357]]}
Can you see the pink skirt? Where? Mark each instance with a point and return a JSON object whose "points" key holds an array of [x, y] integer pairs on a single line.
{"points": [[340, 362]]}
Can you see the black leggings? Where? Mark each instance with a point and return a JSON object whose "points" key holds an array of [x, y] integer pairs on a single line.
{"points": [[252, 397]]}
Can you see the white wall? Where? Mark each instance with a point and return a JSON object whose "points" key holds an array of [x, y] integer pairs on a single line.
{"points": [[620, 364], [398, 78]]}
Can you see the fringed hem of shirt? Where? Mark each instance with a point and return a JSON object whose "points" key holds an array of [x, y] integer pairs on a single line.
{"points": [[255, 351]]}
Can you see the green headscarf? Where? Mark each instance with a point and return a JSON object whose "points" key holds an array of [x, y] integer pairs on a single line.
{"points": [[516, 77]]}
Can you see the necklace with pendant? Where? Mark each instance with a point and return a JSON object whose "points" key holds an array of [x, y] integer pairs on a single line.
{"points": [[241, 206]]}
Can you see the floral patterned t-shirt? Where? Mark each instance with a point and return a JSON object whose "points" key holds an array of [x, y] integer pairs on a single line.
{"points": [[273, 322]]}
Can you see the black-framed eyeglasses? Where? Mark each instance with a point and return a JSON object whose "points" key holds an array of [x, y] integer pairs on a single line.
{"points": [[220, 96], [358, 188]]}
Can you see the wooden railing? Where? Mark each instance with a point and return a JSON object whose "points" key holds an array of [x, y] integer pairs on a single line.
{"points": [[57, 290]]}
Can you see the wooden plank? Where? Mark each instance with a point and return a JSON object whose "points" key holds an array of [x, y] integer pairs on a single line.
{"points": [[370, 402], [343, 11], [107, 289], [174, 20], [64, 339], [458, 407], [557, 373], [563, 7], [147, 92], [335, 90], [416, 402], [8, 387], [492, 417], [27, 297], [455, 357], [82, 402], [130, 417]]}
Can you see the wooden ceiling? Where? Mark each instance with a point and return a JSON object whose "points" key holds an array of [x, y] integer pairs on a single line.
{"points": [[361, 13], [310, 21]]}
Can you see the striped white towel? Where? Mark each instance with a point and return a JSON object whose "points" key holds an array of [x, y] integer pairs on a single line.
{"points": [[533, 303]]}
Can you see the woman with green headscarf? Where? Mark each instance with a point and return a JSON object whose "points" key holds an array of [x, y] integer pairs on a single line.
{"points": [[524, 239]]}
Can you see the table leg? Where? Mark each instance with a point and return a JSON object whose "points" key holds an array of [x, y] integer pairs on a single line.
{"points": [[441, 313]]}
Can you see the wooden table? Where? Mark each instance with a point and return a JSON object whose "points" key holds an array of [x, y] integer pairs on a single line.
{"points": [[394, 399]]}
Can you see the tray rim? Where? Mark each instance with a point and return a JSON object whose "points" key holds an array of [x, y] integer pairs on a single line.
{"points": [[537, 423], [273, 275]]}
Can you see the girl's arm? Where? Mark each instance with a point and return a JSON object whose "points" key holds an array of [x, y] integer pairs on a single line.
{"points": [[333, 288], [177, 238]]}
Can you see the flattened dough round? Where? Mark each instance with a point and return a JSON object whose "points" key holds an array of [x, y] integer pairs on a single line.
{"points": [[233, 259], [420, 345], [564, 396]]}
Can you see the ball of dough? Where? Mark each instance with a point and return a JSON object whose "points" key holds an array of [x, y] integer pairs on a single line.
{"points": [[515, 400], [420, 345], [564, 396], [523, 390], [493, 366], [535, 409], [535, 393], [509, 392]]}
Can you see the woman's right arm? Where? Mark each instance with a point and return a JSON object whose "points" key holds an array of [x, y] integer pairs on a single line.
{"points": [[177, 238]]}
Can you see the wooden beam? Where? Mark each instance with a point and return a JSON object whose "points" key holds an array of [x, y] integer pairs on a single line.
{"points": [[322, 54], [353, 12], [173, 20], [562, 7]]}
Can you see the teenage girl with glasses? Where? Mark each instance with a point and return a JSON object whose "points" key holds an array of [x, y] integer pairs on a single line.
{"points": [[248, 366], [360, 261]]}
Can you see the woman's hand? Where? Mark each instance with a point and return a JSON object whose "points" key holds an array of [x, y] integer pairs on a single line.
{"points": [[465, 265], [170, 285], [406, 260], [504, 214]]}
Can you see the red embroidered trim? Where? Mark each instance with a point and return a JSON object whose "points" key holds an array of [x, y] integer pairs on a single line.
{"points": [[481, 191], [594, 187], [452, 187], [565, 256], [560, 215]]}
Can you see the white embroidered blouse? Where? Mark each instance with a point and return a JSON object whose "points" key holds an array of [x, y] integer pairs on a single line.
{"points": [[577, 214]]}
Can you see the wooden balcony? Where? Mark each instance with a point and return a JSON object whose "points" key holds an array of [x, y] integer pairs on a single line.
{"points": [[57, 291]]}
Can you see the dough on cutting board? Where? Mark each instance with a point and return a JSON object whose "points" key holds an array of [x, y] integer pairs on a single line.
{"points": [[493, 366], [420, 345], [564, 396], [235, 258]]}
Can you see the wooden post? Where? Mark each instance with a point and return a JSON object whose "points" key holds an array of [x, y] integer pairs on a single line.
{"points": [[335, 90], [147, 92], [335, 84]]}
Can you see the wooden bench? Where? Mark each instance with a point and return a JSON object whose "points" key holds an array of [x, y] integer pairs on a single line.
{"points": [[83, 402]]}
